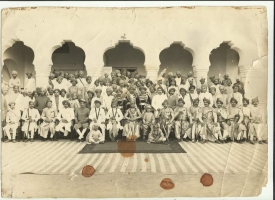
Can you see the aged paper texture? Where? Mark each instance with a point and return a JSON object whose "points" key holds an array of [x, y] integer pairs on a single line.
{"points": [[134, 102]]}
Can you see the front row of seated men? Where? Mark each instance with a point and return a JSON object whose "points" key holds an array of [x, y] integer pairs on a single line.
{"points": [[220, 124]]}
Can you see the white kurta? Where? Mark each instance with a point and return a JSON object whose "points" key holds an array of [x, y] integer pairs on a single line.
{"points": [[107, 101], [99, 115], [14, 82], [81, 82], [237, 96], [34, 114], [25, 102], [96, 98], [17, 98], [186, 86], [62, 85], [30, 85], [178, 81], [206, 95], [67, 114], [12, 120], [158, 100], [60, 105], [187, 100]]}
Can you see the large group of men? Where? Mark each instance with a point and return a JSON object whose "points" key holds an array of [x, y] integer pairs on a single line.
{"points": [[128, 106]]}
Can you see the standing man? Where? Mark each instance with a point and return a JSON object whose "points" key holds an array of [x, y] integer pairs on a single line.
{"points": [[236, 95], [29, 83], [157, 100], [226, 82], [81, 83], [160, 84], [14, 81], [41, 100], [16, 97], [178, 78], [205, 95], [257, 122], [107, 99], [241, 86], [222, 96], [4, 106]]}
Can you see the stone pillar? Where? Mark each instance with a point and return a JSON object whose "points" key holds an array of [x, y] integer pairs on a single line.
{"points": [[42, 66], [152, 64], [201, 64], [243, 72], [42, 75], [94, 61]]}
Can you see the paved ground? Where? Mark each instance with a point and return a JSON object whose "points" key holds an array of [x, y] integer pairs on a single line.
{"points": [[237, 169]]}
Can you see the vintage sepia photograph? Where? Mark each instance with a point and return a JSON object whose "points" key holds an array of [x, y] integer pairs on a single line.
{"points": [[135, 102]]}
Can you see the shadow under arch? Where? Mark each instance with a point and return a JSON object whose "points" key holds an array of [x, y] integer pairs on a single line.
{"points": [[224, 60], [175, 58], [68, 57], [19, 57], [125, 55]]}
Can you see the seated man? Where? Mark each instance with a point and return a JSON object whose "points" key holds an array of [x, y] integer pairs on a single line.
{"points": [[182, 122], [12, 122], [131, 129], [95, 136], [114, 116], [166, 116], [65, 117], [221, 120], [81, 119], [30, 116], [235, 118], [49, 116], [156, 135], [148, 120], [97, 115]]}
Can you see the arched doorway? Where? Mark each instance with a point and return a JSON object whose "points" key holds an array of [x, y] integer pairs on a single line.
{"points": [[125, 55], [176, 58], [68, 58], [19, 57], [224, 60]]}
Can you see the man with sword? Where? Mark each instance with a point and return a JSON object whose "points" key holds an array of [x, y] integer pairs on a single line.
{"points": [[30, 117], [208, 120], [183, 119], [166, 116]]}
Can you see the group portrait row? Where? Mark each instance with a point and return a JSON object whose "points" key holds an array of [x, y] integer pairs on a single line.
{"points": [[127, 106]]}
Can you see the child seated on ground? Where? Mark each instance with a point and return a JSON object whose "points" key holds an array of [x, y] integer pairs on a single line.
{"points": [[156, 135], [95, 136]]}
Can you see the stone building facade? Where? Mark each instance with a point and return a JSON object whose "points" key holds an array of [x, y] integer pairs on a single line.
{"points": [[198, 30]]}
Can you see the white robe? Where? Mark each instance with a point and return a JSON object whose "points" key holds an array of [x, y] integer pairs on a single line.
{"points": [[206, 95], [30, 85]]}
